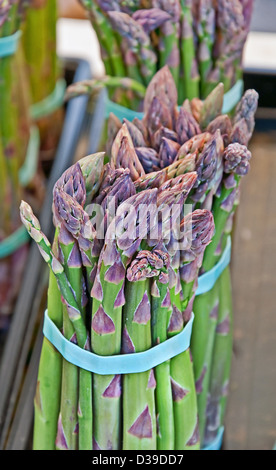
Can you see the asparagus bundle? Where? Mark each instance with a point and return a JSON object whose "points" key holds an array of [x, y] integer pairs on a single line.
{"points": [[170, 141], [201, 41], [43, 67], [114, 289], [14, 138]]}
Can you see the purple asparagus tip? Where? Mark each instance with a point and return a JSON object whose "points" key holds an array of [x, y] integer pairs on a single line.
{"points": [[151, 18], [197, 229], [236, 159], [147, 264], [72, 182]]}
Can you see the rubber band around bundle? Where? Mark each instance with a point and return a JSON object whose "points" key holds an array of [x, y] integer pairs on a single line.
{"points": [[231, 99], [217, 442], [122, 363], [15, 241], [9, 44], [29, 167], [51, 103], [207, 280]]}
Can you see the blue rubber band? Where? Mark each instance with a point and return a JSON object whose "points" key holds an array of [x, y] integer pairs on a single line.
{"points": [[217, 443], [231, 99], [122, 363], [15, 241], [9, 44], [29, 167], [207, 280], [51, 103], [120, 111]]}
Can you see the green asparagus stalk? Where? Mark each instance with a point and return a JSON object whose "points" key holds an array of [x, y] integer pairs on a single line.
{"points": [[221, 361], [236, 159], [231, 34], [206, 35], [160, 313], [106, 329], [138, 42], [42, 65], [236, 164], [14, 135], [48, 390], [9, 119], [68, 424], [202, 343], [139, 414], [108, 40], [196, 231], [93, 86], [168, 38], [73, 310], [32, 225], [188, 53], [201, 41], [80, 410]]}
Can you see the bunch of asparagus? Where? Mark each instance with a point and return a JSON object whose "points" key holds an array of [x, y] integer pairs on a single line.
{"points": [[14, 138], [171, 141], [42, 66], [124, 264], [202, 41]]}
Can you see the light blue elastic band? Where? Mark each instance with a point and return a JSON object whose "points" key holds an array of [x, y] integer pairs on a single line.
{"points": [[9, 44], [12, 243], [120, 111], [122, 363], [207, 280], [231, 99], [28, 169], [51, 103], [217, 443]]}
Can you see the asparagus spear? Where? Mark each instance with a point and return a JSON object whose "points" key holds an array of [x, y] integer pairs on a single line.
{"points": [[139, 415], [236, 164], [138, 42], [206, 36], [196, 230], [236, 159], [66, 436], [169, 37], [202, 342], [123, 153], [109, 41], [70, 184], [244, 118], [151, 18], [93, 86], [69, 426], [221, 361], [161, 86], [230, 38], [160, 313], [48, 389], [188, 53], [74, 311], [108, 300]]}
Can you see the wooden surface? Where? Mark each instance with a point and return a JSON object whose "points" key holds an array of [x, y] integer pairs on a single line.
{"points": [[251, 414]]}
